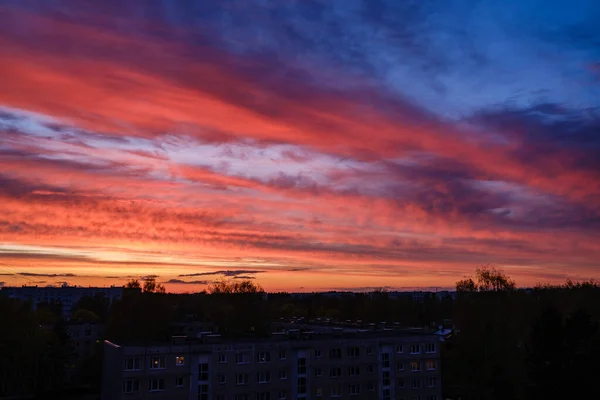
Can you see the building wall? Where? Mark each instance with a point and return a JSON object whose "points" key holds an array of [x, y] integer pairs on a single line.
{"points": [[292, 369]]}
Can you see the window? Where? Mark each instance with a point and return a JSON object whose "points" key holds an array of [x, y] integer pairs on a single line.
{"points": [[282, 375], [371, 387], [386, 394], [399, 348], [202, 372], [415, 366], [240, 358], [319, 392], [158, 362], [415, 348], [131, 386], [335, 372], [353, 352], [336, 391], [385, 360], [302, 365], [282, 395], [353, 371], [156, 384], [263, 357], [400, 367], [432, 381], [354, 389], [400, 383], [179, 381], [430, 348], [318, 372], [202, 392], [335, 354], [415, 384], [318, 353], [179, 361], [370, 368], [241, 379], [131, 364], [431, 364], [264, 396], [282, 354], [370, 350], [222, 379], [386, 378], [222, 358], [263, 377], [301, 385]]}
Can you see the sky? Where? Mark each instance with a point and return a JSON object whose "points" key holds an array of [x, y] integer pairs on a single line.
{"points": [[308, 145]]}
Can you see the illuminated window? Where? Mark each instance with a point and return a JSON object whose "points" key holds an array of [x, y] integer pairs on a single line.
{"points": [[431, 364], [179, 361], [158, 362], [415, 366]]}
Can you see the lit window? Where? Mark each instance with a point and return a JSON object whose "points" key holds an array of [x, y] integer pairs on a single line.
{"points": [[131, 386], [415, 366], [156, 384], [431, 364], [158, 362], [179, 361]]}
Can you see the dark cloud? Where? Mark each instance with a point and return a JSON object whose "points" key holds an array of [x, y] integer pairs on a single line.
{"points": [[244, 277], [33, 274], [182, 282], [228, 273]]}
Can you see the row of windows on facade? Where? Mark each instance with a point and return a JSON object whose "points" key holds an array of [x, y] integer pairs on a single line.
{"points": [[158, 384], [159, 362]]}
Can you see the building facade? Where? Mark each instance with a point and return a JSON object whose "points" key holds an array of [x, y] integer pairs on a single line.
{"points": [[66, 295], [362, 365]]}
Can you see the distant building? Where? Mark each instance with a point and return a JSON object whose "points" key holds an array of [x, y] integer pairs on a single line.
{"points": [[382, 364], [67, 296]]}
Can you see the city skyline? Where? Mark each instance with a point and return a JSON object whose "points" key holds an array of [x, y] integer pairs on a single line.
{"points": [[309, 146]]}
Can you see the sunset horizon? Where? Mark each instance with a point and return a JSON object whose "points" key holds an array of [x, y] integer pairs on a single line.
{"points": [[304, 146]]}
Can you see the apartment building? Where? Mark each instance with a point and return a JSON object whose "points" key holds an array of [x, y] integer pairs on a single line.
{"points": [[288, 366], [66, 295]]}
